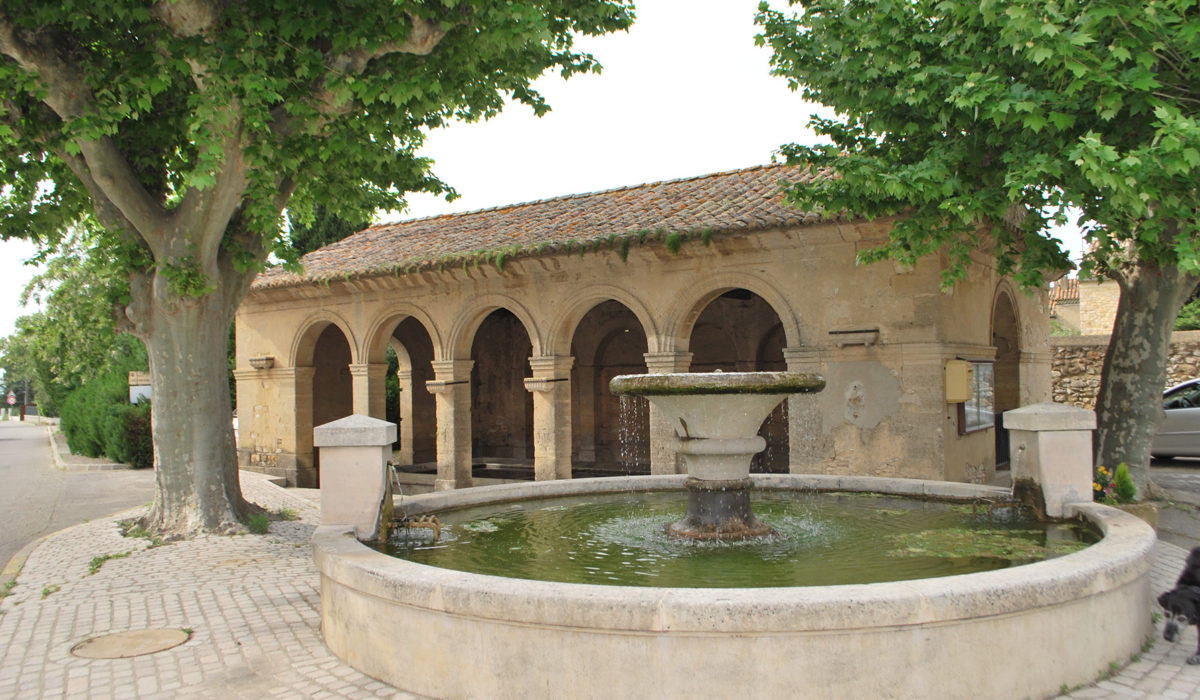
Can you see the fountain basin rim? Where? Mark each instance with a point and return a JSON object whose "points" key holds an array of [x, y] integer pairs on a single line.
{"points": [[715, 383], [1119, 559]]}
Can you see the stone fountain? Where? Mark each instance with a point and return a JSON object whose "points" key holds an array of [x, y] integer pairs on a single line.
{"points": [[1024, 631], [717, 439]]}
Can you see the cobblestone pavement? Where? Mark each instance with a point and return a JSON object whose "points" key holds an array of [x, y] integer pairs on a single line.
{"points": [[252, 605]]}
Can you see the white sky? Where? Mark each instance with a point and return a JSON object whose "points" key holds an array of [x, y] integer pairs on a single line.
{"points": [[685, 92]]}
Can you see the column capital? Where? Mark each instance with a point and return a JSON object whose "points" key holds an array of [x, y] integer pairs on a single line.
{"points": [[551, 366], [373, 371], [662, 362], [452, 370], [545, 384], [801, 358]]}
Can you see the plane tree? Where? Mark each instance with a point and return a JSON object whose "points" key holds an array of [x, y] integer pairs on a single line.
{"points": [[185, 127], [980, 121]]}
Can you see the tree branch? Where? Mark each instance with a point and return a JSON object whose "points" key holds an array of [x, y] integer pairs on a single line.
{"points": [[421, 41], [186, 18], [70, 97]]}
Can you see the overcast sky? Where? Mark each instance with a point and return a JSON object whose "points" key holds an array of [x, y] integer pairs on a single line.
{"points": [[685, 92]]}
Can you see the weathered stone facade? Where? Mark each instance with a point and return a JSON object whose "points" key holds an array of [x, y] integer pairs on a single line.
{"points": [[1078, 361], [1098, 301], [507, 325]]}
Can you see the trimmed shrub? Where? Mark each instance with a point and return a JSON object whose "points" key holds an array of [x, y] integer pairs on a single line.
{"points": [[127, 436], [98, 420]]}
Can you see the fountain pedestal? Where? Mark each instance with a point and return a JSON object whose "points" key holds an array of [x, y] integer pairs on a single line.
{"points": [[716, 416]]}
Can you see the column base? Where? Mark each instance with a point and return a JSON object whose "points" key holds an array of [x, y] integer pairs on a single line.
{"points": [[719, 510]]}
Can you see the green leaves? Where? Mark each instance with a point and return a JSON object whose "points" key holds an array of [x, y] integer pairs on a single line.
{"points": [[1001, 103], [273, 100]]}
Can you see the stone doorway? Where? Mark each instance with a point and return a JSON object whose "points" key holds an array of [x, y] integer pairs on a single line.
{"points": [[610, 434], [501, 407], [1006, 340]]}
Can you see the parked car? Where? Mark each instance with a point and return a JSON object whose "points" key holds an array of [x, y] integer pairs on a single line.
{"points": [[1179, 434]]}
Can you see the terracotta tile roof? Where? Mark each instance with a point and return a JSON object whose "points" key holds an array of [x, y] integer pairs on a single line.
{"points": [[1064, 291], [739, 200]]}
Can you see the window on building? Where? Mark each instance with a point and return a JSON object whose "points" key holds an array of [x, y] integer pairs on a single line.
{"points": [[978, 411]]}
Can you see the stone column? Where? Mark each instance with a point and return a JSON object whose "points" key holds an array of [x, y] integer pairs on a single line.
{"points": [[551, 387], [452, 391], [356, 487], [405, 380], [370, 389], [1050, 448], [663, 459], [1037, 385], [804, 415]]}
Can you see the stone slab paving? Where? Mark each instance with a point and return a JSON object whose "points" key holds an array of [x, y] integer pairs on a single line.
{"points": [[252, 603]]}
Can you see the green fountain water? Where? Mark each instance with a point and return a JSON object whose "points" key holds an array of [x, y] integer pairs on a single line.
{"points": [[820, 539]]}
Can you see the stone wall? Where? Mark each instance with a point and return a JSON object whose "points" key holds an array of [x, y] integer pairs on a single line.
{"points": [[1098, 301], [1078, 361]]}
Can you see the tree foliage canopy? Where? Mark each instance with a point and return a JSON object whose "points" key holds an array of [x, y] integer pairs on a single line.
{"points": [[141, 109], [955, 112], [73, 336], [186, 127]]}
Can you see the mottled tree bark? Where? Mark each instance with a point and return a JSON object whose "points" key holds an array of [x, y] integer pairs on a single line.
{"points": [[1129, 404]]}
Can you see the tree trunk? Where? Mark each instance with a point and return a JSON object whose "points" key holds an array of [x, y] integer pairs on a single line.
{"points": [[195, 460], [1129, 404]]}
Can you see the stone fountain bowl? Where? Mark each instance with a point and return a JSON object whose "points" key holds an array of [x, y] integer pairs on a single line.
{"points": [[685, 383], [746, 398], [1025, 631]]}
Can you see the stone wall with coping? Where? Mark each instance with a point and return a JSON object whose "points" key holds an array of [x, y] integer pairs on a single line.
{"points": [[1078, 361]]}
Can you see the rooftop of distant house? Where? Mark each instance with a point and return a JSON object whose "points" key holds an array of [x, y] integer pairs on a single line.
{"points": [[697, 207], [1063, 292]]}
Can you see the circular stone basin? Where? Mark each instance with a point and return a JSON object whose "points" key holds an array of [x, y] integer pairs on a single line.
{"points": [[122, 645], [820, 539], [1023, 631]]}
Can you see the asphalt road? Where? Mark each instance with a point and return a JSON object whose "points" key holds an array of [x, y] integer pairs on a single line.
{"points": [[37, 499]]}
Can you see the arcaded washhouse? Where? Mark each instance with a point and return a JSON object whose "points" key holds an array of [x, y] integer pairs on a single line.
{"points": [[508, 323]]}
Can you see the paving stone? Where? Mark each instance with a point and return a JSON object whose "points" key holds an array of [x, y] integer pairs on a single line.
{"points": [[253, 605]]}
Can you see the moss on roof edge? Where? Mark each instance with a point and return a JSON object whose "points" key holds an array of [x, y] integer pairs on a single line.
{"points": [[499, 256]]}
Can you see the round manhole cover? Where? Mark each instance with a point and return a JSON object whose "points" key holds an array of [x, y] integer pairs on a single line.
{"points": [[121, 645]]}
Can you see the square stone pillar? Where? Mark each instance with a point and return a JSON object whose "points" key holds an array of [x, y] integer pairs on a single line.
{"points": [[370, 389], [551, 388], [404, 379], [356, 488], [1050, 448], [663, 459], [451, 388]]}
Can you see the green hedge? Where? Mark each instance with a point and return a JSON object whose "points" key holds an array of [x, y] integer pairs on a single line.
{"points": [[99, 421]]}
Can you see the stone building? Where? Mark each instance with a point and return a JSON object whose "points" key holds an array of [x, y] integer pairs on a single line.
{"points": [[508, 323]]}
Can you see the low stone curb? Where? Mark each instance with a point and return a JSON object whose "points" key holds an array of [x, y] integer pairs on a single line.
{"points": [[62, 464]]}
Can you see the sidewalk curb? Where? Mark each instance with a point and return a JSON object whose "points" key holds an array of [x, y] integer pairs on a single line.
{"points": [[62, 465]]}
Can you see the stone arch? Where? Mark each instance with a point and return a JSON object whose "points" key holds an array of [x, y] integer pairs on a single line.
{"points": [[305, 340], [610, 434], [578, 305], [380, 331], [691, 302], [739, 331], [412, 407], [462, 331], [501, 405], [1005, 336]]}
